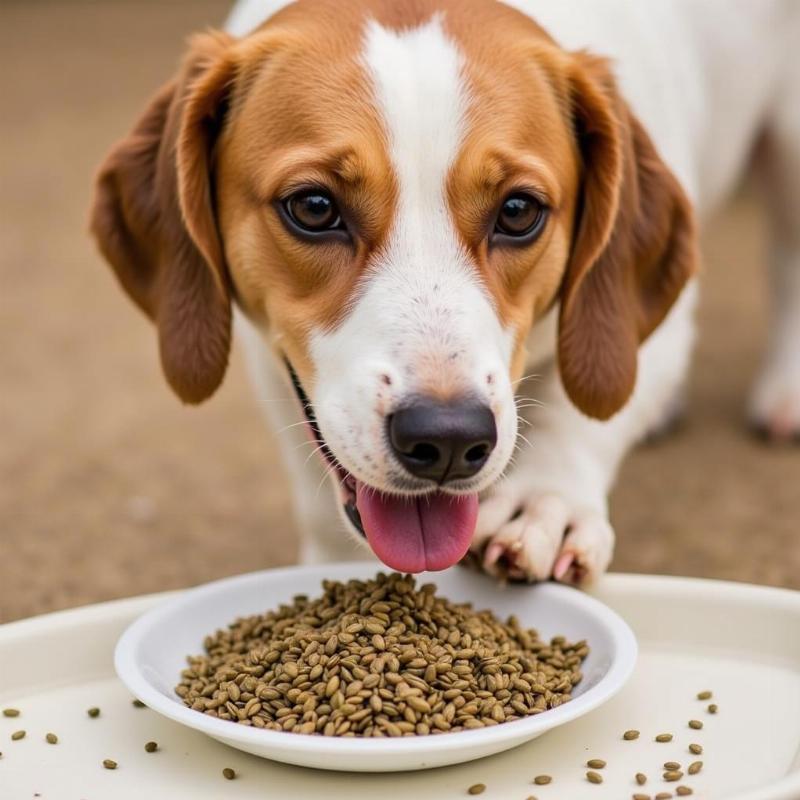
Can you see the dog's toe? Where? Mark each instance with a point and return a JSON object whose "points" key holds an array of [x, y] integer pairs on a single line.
{"points": [[586, 551], [775, 407]]}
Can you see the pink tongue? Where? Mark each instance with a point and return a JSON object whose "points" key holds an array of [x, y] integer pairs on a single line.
{"points": [[413, 534]]}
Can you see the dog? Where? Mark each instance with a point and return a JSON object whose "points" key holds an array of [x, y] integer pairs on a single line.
{"points": [[439, 220]]}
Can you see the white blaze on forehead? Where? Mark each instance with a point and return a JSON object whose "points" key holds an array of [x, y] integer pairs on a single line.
{"points": [[418, 85]]}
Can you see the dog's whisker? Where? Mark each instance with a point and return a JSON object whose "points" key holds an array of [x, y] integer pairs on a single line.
{"points": [[309, 443], [331, 469], [311, 455], [532, 376], [289, 427], [524, 439]]}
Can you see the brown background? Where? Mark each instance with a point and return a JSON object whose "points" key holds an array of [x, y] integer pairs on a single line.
{"points": [[108, 487]]}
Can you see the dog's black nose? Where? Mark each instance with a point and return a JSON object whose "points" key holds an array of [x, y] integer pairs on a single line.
{"points": [[443, 442]]}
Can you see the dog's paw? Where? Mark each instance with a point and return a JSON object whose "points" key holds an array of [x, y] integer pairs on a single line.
{"points": [[542, 537], [775, 404]]}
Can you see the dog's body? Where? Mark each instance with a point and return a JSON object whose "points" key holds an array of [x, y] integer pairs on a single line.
{"points": [[708, 81]]}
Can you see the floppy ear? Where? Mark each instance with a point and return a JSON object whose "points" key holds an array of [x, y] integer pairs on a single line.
{"points": [[634, 246], [153, 218]]}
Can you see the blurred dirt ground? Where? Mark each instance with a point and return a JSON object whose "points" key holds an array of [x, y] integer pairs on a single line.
{"points": [[108, 487]]}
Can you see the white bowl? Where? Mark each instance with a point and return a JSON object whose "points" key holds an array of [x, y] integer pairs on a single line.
{"points": [[152, 651]]}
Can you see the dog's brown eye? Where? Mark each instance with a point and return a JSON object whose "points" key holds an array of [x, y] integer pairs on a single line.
{"points": [[313, 211], [521, 216]]}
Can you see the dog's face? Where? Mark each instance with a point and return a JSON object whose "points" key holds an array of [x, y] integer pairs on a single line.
{"points": [[394, 193]]}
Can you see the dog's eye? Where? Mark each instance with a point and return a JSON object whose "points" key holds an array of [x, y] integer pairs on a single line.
{"points": [[521, 217], [313, 210]]}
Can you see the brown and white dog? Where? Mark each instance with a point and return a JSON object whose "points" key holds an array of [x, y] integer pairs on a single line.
{"points": [[422, 208]]}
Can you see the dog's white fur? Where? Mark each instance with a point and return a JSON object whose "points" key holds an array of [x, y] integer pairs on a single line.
{"points": [[706, 79]]}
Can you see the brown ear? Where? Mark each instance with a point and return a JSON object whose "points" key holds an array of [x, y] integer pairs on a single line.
{"points": [[153, 219], [634, 247]]}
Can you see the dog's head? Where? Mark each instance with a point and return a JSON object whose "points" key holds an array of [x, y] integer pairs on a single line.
{"points": [[394, 192]]}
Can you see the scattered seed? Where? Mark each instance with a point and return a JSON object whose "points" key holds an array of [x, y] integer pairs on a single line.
{"points": [[673, 775], [477, 788], [671, 765], [697, 749], [695, 724], [641, 778], [706, 695], [630, 735], [641, 797], [542, 780], [228, 773], [683, 791], [138, 704], [663, 796], [712, 708], [594, 777], [51, 738], [664, 737], [695, 767], [596, 763], [17, 735], [10, 712], [150, 747], [109, 764], [93, 712]]}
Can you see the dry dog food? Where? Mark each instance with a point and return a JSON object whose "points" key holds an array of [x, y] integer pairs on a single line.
{"points": [[378, 658]]}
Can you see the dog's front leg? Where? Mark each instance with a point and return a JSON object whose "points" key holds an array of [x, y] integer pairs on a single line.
{"points": [[548, 518]]}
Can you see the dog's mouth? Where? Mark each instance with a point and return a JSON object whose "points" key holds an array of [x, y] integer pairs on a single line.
{"points": [[408, 533]]}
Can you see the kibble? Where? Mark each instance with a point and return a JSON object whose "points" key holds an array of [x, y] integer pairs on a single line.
{"points": [[683, 791], [17, 735], [228, 773], [712, 708], [542, 780], [51, 738], [695, 724], [109, 764], [695, 767], [594, 777], [629, 736], [596, 763], [477, 788], [150, 747], [10, 712], [673, 775], [697, 749], [706, 695], [664, 737], [93, 712], [641, 778], [379, 658]]}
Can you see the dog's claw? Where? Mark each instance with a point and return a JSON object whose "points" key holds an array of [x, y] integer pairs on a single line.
{"points": [[562, 565]]}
